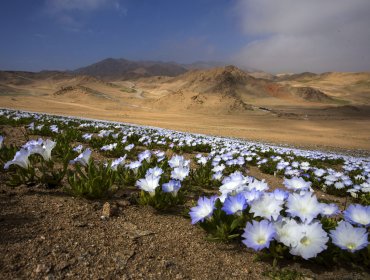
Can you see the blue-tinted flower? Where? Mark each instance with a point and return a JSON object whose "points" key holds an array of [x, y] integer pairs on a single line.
{"points": [[87, 136], [134, 165], [349, 238], [117, 162], [203, 210], [235, 204], [172, 186], [1, 141], [145, 155], [129, 147], [267, 207], [252, 195], [178, 161], [319, 172], [109, 147], [286, 230], [258, 185], [258, 235], [20, 159], [83, 158], [156, 171], [217, 176], [306, 206], [357, 214], [297, 184], [179, 173], [54, 128], [309, 240], [78, 148], [280, 194], [44, 148], [148, 184], [329, 209]]}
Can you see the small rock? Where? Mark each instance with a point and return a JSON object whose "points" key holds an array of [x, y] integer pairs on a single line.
{"points": [[119, 193], [123, 203], [79, 224], [109, 210], [42, 268]]}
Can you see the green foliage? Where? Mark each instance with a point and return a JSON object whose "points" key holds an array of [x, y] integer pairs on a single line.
{"points": [[284, 274], [336, 256], [20, 176], [133, 139], [91, 181], [337, 192], [223, 227], [14, 122], [202, 177], [128, 177], [328, 223], [269, 167], [364, 199], [51, 176], [161, 200], [7, 153]]}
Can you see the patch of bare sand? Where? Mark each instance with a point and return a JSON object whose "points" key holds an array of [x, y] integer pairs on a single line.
{"points": [[319, 133]]}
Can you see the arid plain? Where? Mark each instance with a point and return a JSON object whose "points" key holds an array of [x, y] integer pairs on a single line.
{"points": [[324, 111]]}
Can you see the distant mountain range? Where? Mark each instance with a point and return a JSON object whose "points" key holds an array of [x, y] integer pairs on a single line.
{"points": [[123, 69]]}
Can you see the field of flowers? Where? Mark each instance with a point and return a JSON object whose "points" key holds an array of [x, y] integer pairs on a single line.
{"points": [[207, 179]]}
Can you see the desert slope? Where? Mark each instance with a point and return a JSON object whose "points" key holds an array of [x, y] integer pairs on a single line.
{"points": [[317, 111]]}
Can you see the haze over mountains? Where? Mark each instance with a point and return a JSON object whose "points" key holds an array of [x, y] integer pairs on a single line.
{"points": [[112, 69]]}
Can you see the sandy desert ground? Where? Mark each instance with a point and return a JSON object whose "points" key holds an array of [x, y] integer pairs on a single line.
{"points": [[225, 101]]}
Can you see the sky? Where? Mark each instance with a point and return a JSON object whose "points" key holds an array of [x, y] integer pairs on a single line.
{"points": [[276, 36]]}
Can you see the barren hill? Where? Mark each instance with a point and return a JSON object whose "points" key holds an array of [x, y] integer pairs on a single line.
{"points": [[224, 90], [123, 69], [222, 101]]}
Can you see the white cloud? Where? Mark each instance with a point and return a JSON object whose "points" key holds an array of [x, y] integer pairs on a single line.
{"points": [[58, 6], [302, 35]]}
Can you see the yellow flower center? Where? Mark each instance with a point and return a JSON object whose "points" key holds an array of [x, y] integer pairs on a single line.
{"points": [[261, 241], [351, 246], [305, 241]]}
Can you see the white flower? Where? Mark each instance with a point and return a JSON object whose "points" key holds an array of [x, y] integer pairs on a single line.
{"points": [[305, 206], [129, 147], [258, 185], [118, 162], [172, 186], [134, 165], [20, 159], [179, 173], [286, 230], [87, 136], [156, 171], [78, 148], [297, 184], [267, 207], [54, 128], [217, 176], [1, 141], [178, 161], [44, 149], [348, 237], [109, 147], [309, 240], [83, 158], [148, 184], [319, 172]]}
